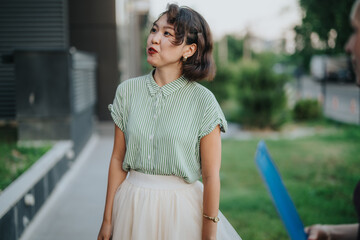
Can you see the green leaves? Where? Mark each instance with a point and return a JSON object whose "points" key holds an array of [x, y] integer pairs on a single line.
{"points": [[307, 109], [261, 95], [14, 160], [321, 17]]}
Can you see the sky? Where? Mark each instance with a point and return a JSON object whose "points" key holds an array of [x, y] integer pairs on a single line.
{"points": [[267, 19]]}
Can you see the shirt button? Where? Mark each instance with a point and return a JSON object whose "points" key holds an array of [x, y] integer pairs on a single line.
{"points": [[149, 156], [151, 136]]}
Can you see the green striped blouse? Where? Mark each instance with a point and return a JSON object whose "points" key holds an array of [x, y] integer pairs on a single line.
{"points": [[163, 125]]}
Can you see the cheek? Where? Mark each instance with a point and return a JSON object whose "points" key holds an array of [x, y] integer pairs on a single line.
{"points": [[357, 42], [356, 50], [148, 40]]}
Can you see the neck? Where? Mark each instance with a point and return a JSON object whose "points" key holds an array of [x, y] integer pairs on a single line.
{"points": [[164, 76]]}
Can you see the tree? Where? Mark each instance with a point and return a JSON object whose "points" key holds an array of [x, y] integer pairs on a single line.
{"points": [[261, 94], [235, 48], [325, 27]]}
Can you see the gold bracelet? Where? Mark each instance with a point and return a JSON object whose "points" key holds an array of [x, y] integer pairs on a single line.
{"points": [[214, 219]]}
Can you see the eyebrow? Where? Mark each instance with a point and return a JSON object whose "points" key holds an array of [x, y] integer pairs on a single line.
{"points": [[166, 26]]}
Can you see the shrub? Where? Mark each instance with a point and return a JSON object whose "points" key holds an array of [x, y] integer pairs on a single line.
{"points": [[261, 96], [221, 85], [307, 109], [14, 160]]}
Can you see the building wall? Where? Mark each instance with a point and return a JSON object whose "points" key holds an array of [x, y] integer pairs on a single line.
{"points": [[26, 24], [88, 25], [92, 28], [32, 34], [131, 21]]}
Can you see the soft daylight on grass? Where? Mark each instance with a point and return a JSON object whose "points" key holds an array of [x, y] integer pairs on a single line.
{"points": [[16, 159], [320, 173]]}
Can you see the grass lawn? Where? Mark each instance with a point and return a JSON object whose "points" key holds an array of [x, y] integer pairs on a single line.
{"points": [[14, 159], [320, 173]]}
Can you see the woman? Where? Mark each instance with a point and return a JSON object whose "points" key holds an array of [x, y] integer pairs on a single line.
{"points": [[167, 136]]}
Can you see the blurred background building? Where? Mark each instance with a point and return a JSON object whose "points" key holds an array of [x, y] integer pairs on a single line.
{"points": [[132, 19], [60, 62]]}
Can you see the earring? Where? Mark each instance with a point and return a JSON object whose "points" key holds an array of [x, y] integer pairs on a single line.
{"points": [[184, 59]]}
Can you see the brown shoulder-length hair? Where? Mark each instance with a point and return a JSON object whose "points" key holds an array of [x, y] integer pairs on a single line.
{"points": [[191, 27]]}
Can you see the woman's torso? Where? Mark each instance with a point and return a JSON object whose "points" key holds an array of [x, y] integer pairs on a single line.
{"points": [[163, 126]]}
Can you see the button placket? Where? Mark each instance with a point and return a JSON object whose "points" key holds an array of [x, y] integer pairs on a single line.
{"points": [[157, 110]]}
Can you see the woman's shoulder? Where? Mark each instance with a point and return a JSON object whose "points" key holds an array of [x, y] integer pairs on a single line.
{"points": [[203, 93], [131, 84]]}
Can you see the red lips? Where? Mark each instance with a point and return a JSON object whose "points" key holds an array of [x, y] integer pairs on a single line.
{"points": [[152, 50]]}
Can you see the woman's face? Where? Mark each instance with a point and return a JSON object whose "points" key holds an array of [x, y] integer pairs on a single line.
{"points": [[161, 52]]}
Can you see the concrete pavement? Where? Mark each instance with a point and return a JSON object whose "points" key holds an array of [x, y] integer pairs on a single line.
{"points": [[74, 210]]}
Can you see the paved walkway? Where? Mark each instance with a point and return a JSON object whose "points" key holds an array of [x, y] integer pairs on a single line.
{"points": [[74, 210]]}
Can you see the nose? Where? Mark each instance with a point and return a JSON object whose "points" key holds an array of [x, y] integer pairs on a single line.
{"points": [[155, 38]]}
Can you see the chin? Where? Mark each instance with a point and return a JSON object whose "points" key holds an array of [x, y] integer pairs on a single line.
{"points": [[152, 63]]}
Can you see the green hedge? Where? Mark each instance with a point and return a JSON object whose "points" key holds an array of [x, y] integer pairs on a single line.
{"points": [[307, 109]]}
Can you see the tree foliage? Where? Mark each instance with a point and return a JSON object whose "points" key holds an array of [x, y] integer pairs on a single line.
{"points": [[322, 18], [261, 95], [307, 109], [235, 48]]}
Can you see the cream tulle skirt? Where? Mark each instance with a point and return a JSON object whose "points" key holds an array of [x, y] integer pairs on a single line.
{"points": [[154, 207]]}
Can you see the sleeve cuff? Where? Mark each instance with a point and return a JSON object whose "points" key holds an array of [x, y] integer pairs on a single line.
{"points": [[117, 120], [223, 127]]}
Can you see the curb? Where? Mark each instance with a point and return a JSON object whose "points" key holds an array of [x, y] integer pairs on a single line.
{"points": [[61, 187], [23, 198]]}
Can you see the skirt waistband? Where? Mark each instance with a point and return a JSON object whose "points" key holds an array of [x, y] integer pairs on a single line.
{"points": [[160, 182]]}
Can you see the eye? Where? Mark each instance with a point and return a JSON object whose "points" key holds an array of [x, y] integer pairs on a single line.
{"points": [[152, 30], [168, 34]]}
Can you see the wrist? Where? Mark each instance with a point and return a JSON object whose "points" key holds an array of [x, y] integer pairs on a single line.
{"points": [[213, 219], [106, 221], [209, 238], [209, 230], [341, 231], [209, 235], [327, 231]]}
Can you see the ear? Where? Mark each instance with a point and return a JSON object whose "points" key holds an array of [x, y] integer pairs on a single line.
{"points": [[189, 50]]}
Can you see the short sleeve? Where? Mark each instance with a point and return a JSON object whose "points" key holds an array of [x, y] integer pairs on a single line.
{"points": [[213, 116], [117, 110]]}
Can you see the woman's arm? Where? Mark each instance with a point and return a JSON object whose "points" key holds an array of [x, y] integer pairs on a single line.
{"points": [[210, 150], [115, 178], [333, 232]]}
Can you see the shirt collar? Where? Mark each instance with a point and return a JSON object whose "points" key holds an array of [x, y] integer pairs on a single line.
{"points": [[166, 89]]}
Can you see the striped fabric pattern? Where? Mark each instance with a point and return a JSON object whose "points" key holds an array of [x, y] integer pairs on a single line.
{"points": [[163, 126]]}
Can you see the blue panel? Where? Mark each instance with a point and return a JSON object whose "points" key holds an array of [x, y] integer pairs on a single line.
{"points": [[279, 194]]}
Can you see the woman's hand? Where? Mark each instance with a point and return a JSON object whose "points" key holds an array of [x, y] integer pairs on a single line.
{"points": [[333, 232], [317, 232], [209, 230], [105, 231]]}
